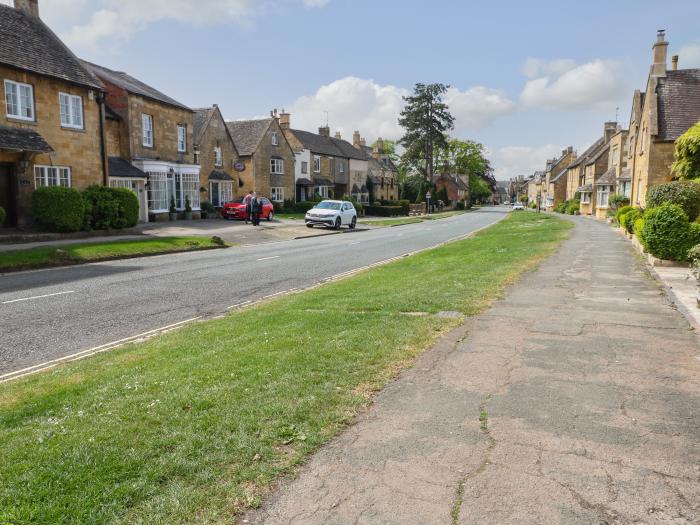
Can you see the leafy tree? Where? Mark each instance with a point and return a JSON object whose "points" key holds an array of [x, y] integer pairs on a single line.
{"points": [[687, 163], [466, 157], [389, 149], [479, 189], [426, 119]]}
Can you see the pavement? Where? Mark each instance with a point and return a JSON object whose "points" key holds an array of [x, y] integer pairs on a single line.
{"points": [[53, 313], [574, 399]]}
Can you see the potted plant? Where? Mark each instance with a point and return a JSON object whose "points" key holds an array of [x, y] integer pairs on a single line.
{"points": [[188, 209], [207, 209], [173, 209]]}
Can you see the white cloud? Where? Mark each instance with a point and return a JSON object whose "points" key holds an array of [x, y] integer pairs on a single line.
{"points": [[599, 84], [120, 19], [352, 104], [689, 56], [535, 67], [477, 107], [510, 161]]}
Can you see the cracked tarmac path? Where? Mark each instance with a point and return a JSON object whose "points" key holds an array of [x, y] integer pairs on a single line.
{"points": [[574, 400]]}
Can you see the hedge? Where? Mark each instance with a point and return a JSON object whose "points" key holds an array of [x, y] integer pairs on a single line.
{"points": [[628, 219], [638, 228], [404, 204], [111, 208], [3, 215], [384, 211], [667, 233], [58, 208], [290, 206], [621, 212], [685, 194]]}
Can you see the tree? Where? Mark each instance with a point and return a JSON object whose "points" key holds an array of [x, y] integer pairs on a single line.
{"points": [[687, 163], [389, 150], [479, 189], [426, 119], [466, 157]]}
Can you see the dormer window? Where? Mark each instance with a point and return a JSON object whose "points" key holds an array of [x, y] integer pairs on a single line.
{"points": [[275, 138], [19, 99]]}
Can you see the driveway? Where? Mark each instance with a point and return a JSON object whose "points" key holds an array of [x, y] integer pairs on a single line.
{"points": [[573, 400]]}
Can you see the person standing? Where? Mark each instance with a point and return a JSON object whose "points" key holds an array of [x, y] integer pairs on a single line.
{"points": [[248, 212], [255, 209]]}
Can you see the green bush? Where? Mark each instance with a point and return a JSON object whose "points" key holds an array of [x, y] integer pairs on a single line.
{"points": [[638, 229], [297, 207], [111, 208], [60, 209], [207, 207], [384, 211], [3, 215], [533, 205], [128, 208], [616, 203], [621, 211], [694, 258], [461, 205], [573, 207], [685, 194], [667, 233], [628, 219], [687, 154], [561, 207]]}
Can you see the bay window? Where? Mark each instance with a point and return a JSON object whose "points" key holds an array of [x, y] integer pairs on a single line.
{"points": [[603, 196], [585, 197], [162, 187], [51, 176], [19, 100], [71, 111]]}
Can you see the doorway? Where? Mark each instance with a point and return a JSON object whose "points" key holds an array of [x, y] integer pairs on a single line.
{"points": [[8, 194]]}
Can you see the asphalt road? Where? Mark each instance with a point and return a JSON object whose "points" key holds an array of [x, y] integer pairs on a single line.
{"points": [[49, 314]]}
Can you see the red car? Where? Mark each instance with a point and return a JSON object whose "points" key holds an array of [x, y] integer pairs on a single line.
{"points": [[236, 209]]}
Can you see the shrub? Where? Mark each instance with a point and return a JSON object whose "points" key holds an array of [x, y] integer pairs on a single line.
{"points": [[628, 219], [621, 211], [667, 233], [685, 194], [687, 154], [561, 207], [461, 205], [128, 208], [617, 202], [533, 205], [384, 211], [638, 229], [3, 215], [111, 208], [58, 208], [298, 207], [207, 207], [573, 207], [694, 258]]}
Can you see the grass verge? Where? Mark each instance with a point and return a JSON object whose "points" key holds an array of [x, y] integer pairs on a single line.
{"points": [[195, 425], [400, 221], [46, 256]]}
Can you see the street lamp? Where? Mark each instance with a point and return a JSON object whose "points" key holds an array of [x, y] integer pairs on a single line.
{"points": [[539, 201]]}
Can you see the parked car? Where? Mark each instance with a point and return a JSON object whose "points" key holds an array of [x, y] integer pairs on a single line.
{"points": [[236, 209], [518, 206], [332, 214]]}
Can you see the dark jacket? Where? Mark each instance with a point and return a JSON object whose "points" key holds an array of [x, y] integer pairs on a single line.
{"points": [[255, 205]]}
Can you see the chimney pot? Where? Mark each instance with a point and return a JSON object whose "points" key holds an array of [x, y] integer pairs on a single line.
{"points": [[28, 7], [674, 62], [338, 136], [356, 139], [324, 131]]}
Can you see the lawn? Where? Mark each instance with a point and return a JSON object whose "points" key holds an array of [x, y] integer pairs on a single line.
{"points": [[99, 251], [195, 425], [291, 216]]}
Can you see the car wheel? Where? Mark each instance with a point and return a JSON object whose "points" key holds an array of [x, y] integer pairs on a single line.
{"points": [[309, 225], [270, 216], [336, 226], [353, 223]]}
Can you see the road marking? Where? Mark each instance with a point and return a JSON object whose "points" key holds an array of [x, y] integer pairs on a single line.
{"points": [[91, 351], [37, 297], [354, 243], [268, 258]]}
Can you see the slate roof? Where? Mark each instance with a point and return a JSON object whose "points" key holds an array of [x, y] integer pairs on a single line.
{"points": [[119, 167], [131, 85], [22, 139], [219, 175], [626, 174], [318, 181], [592, 150], [597, 154], [607, 178], [678, 96], [200, 121], [317, 143], [559, 175], [304, 182], [348, 150], [29, 44], [247, 134], [587, 188]]}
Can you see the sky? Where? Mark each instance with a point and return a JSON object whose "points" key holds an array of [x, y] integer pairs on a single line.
{"points": [[527, 78]]}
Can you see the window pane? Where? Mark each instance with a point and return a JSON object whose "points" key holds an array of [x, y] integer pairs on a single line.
{"points": [[65, 110], [11, 99], [26, 102]]}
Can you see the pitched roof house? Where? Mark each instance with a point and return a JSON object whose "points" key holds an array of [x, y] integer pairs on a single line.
{"points": [[267, 157], [216, 154], [50, 128], [554, 187], [382, 173], [154, 133], [668, 107]]}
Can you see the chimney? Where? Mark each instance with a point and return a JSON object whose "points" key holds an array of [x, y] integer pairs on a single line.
{"points": [[609, 129], [363, 142], [380, 145], [28, 7], [285, 120], [660, 54], [356, 139], [674, 62], [324, 131], [337, 135]]}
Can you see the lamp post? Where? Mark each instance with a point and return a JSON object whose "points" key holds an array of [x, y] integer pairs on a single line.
{"points": [[539, 201]]}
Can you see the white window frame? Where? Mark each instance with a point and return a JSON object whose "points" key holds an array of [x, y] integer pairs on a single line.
{"points": [[585, 197], [20, 102], [341, 167], [625, 188], [71, 110], [147, 135], [225, 189], [276, 166], [275, 137], [322, 191], [181, 138], [304, 167], [277, 194], [218, 157], [603, 197], [317, 164], [52, 176]]}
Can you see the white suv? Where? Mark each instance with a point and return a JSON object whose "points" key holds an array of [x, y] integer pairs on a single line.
{"points": [[332, 214]]}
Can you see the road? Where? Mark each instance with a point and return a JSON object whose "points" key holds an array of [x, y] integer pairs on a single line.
{"points": [[52, 313]]}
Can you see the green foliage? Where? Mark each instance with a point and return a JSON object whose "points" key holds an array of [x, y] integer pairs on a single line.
{"points": [[60, 209], [188, 204], [687, 163], [404, 204], [479, 189], [384, 211], [616, 202], [426, 120], [561, 207], [207, 207], [685, 194], [461, 205], [173, 208], [574, 207], [629, 218], [694, 258], [298, 207], [638, 229], [110, 208], [3, 215], [533, 206], [621, 211], [389, 150], [667, 233]]}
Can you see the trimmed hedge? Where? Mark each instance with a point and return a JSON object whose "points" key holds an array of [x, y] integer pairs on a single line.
{"points": [[685, 194], [667, 233], [290, 206], [628, 219], [111, 208], [638, 228], [3, 215], [403, 203], [60, 209], [384, 211], [621, 212]]}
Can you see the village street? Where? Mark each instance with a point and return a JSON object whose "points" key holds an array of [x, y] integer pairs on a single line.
{"points": [[573, 400], [51, 313]]}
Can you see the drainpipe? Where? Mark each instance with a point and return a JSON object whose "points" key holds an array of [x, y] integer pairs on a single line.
{"points": [[103, 145]]}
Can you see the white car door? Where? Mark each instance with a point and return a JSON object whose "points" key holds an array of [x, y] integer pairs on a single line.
{"points": [[344, 218]]}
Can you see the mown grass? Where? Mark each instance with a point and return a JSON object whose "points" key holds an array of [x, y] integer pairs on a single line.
{"points": [[98, 251], [195, 425]]}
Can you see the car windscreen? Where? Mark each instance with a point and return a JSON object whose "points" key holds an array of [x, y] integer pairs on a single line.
{"points": [[328, 206]]}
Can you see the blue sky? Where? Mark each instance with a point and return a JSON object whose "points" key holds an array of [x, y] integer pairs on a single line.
{"points": [[528, 77]]}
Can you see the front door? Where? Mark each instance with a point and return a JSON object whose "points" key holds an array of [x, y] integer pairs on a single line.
{"points": [[8, 194]]}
